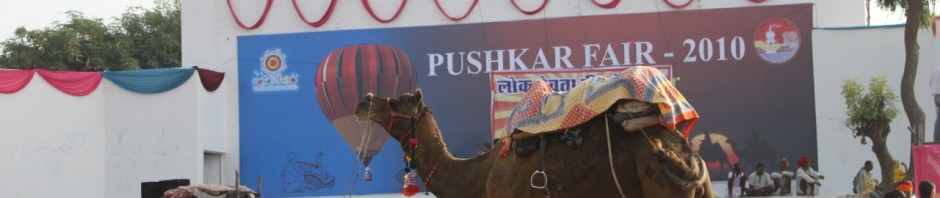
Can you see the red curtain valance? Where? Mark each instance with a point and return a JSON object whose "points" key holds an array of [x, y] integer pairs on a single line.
{"points": [[72, 82], [14, 80], [211, 80], [83, 83]]}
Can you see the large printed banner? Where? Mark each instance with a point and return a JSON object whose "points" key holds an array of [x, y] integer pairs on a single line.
{"points": [[748, 72]]}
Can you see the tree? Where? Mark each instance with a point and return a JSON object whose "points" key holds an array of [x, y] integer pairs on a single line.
{"points": [[869, 116], [139, 38], [919, 14], [151, 37]]}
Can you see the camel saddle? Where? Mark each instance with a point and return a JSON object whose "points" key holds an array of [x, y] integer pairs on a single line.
{"points": [[542, 110], [632, 119], [640, 93]]}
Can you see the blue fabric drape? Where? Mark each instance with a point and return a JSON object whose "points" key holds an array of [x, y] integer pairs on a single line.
{"points": [[149, 81]]}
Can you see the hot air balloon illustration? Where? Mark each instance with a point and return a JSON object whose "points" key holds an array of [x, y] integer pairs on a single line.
{"points": [[346, 75]]}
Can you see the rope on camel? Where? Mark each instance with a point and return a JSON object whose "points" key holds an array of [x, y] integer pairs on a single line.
{"points": [[354, 176], [611, 158]]}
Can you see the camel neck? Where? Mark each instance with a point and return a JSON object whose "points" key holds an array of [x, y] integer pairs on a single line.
{"points": [[466, 176]]}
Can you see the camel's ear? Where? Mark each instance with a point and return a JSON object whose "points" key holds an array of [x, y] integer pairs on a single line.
{"points": [[418, 95]]}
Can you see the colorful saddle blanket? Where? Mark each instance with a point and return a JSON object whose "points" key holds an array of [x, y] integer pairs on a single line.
{"points": [[542, 110]]}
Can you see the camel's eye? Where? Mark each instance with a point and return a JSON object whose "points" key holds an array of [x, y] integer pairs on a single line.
{"points": [[394, 104]]}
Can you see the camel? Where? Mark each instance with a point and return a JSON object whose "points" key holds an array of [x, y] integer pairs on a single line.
{"points": [[673, 170]]}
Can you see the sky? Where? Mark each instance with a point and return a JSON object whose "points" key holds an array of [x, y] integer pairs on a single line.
{"points": [[881, 17], [37, 14]]}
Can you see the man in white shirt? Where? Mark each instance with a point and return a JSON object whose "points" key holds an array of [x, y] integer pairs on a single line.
{"points": [[759, 182], [736, 181], [935, 90], [865, 184], [783, 178], [807, 178]]}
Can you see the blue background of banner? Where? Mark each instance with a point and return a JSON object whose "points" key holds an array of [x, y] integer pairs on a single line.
{"points": [[276, 123], [740, 99]]}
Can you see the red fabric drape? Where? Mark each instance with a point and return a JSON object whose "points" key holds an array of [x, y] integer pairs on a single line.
{"points": [[211, 80], [611, 4], [531, 12], [365, 3], [472, 5], [267, 7], [926, 157], [14, 80], [72, 82], [677, 6], [323, 19]]}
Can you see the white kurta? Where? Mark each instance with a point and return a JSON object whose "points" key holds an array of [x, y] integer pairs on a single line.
{"points": [[758, 182], [778, 176], [736, 189], [809, 175]]}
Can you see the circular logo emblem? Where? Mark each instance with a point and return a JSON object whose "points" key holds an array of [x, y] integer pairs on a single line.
{"points": [[273, 62], [776, 40]]}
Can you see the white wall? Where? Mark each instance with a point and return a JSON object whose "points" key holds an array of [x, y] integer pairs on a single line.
{"points": [[212, 116], [860, 54], [150, 137], [209, 41], [104, 144], [53, 143]]}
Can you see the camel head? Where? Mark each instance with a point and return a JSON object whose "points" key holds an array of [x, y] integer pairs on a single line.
{"points": [[682, 167], [397, 113]]}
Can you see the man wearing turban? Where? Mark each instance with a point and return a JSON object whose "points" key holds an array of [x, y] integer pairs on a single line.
{"points": [[782, 178], [906, 187], [807, 178]]}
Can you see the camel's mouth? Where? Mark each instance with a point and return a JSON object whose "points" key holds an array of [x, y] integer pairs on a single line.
{"points": [[692, 175], [363, 114], [362, 118], [364, 109]]}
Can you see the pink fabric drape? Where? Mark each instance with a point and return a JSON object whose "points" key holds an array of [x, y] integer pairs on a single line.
{"points": [[927, 163], [71, 82], [14, 80]]}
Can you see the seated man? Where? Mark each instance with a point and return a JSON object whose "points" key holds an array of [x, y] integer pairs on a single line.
{"points": [[865, 184], [807, 178], [783, 178], [900, 171], [759, 183], [736, 181]]}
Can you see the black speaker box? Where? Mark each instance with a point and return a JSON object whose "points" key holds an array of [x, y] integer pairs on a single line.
{"points": [[173, 183], [151, 190]]}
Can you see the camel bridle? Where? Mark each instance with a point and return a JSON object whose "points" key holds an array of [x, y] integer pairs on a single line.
{"points": [[414, 120], [423, 110]]}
